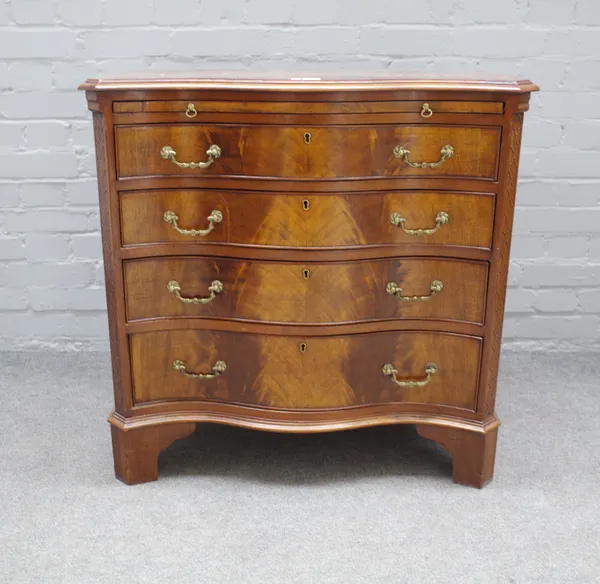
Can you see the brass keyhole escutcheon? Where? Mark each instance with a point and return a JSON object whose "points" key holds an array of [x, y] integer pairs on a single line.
{"points": [[306, 274], [306, 204], [307, 137], [303, 347]]}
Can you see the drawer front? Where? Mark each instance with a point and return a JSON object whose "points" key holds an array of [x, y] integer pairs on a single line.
{"points": [[317, 293], [191, 109], [323, 152], [307, 220], [326, 372]]}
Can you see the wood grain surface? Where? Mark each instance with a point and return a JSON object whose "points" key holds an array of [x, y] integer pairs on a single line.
{"points": [[333, 372], [307, 292], [280, 219], [333, 153]]}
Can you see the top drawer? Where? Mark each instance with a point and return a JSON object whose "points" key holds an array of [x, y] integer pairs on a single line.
{"points": [[311, 152]]}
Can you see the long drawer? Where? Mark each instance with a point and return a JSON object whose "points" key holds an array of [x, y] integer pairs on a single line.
{"points": [[307, 220], [308, 152], [307, 293], [306, 373]]}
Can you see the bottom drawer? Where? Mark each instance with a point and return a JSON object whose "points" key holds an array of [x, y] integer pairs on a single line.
{"points": [[291, 372]]}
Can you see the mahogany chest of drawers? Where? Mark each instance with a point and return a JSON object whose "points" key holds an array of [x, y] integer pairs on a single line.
{"points": [[306, 255]]}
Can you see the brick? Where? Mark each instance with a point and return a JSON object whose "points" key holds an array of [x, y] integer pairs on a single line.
{"points": [[177, 12], [568, 105], [138, 13], [316, 41], [38, 165], [584, 135], [314, 12], [30, 76], [77, 13], [4, 81], [477, 12], [220, 42], [11, 248], [82, 193], [99, 278], [590, 300], [46, 248], [13, 299], [541, 133], [52, 298], [557, 327], [519, 301], [123, 43], [359, 13], [549, 72], [562, 276], [45, 221], [268, 12], [71, 274], [575, 42], [587, 12], [514, 273], [384, 41], [524, 247], [12, 136], [584, 75], [558, 219], [32, 44], [555, 301], [82, 134], [5, 16], [552, 13], [33, 12], [568, 163], [47, 135], [87, 246], [567, 247], [69, 74], [42, 194], [9, 195], [502, 42], [594, 252], [548, 193], [56, 105]]}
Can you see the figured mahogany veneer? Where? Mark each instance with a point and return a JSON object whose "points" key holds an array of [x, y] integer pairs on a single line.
{"points": [[309, 219], [307, 292], [280, 151], [316, 275]]}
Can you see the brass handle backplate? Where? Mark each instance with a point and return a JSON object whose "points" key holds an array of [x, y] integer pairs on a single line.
{"points": [[214, 217], [218, 368], [394, 290], [426, 111], [213, 153], [447, 151], [191, 111], [442, 218], [216, 287], [430, 370]]}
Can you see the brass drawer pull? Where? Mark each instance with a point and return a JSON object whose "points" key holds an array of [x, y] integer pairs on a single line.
{"points": [[430, 370], [216, 287], [213, 153], [447, 151], [214, 217], [426, 111], [218, 368], [394, 290], [191, 112], [440, 219]]}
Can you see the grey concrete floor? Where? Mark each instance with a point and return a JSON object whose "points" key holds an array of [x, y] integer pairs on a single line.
{"points": [[236, 506]]}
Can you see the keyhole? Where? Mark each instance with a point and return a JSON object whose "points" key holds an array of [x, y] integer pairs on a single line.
{"points": [[306, 274], [307, 137], [306, 204], [303, 347]]}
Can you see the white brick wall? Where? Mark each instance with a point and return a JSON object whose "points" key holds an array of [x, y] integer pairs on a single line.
{"points": [[50, 259]]}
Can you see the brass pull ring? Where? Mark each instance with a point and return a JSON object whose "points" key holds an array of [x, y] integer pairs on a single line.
{"points": [[216, 287], [447, 151], [394, 290], [430, 370], [442, 218], [426, 111], [214, 217], [213, 153], [218, 368], [191, 112]]}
